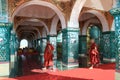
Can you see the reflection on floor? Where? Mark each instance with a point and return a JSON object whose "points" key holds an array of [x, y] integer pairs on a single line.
{"points": [[117, 74], [33, 72]]}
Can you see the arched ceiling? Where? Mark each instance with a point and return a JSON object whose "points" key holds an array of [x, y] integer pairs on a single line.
{"points": [[36, 11], [38, 14], [86, 16], [39, 11], [29, 36], [104, 5], [31, 23], [32, 15], [29, 29]]}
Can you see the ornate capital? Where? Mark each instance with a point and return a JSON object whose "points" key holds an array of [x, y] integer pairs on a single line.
{"points": [[117, 3], [71, 29], [115, 11]]}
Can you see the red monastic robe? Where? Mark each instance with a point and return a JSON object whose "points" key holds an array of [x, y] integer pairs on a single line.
{"points": [[48, 55], [94, 54]]}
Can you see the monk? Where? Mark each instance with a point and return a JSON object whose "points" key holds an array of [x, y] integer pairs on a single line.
{"points": [[94, 54], [48, 55]]}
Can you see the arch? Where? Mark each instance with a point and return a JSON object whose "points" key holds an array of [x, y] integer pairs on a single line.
{"points": [[34, 20], [54, 25], [84, 30], [113, 26], [42, 3], [23, 43], [31, 28], [101, 18], [74, 22], [44, 33]]}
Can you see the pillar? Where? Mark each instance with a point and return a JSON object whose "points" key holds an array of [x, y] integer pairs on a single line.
{"points": [[17, 63], [116, 13], [5, 29], [39, 48], [107, 47], [43, 45], [59, 50], [53, 41], [70, 45], [83, 60], [82, 45], [17, 43], [13, 55], [38, 45], [35, 43]]}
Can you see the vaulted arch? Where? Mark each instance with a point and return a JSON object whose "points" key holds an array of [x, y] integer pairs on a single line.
{"points": [[74, 22], [101, 18], [86, 25], [41, 3], [54, 25], [33, 20]]}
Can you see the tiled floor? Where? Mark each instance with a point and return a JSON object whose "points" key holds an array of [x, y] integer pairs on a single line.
{"points": [[117, 76]]}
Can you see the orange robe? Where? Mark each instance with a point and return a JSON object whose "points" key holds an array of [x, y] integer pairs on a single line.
{"points": [[48, 55], [94, 54]]}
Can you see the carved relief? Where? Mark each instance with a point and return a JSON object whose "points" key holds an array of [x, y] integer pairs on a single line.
{"points": [[13, 4]]}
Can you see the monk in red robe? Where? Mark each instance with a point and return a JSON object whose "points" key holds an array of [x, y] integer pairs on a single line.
{"points": [[94, 54], [48, 55]]}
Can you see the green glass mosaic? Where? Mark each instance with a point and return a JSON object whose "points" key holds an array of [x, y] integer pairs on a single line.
{"points": [[82, 44], [116, 13], [5, 29], [108, 45], [70, 45]]}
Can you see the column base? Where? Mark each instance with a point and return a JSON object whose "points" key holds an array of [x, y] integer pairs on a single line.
{"points": [[83, 60], [13, 65], [69, 66], [82, 55], [4, 69], [109, 60], [42, 58], [117, 75]]}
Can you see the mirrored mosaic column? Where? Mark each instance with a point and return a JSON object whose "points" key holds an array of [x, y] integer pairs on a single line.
{"points": [[108, 46], [13, 55], [70, 45], [53, 41], [43, 45], [5, 33], [116, 13], [38, 45], [59, 50], [83, 44]]}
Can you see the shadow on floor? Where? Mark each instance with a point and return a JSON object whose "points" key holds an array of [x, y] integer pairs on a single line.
{"points": [[107, 66], [46, 76]]}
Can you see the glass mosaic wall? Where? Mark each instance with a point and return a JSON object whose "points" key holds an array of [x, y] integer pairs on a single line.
{"points": [[117, 32], [3, 11], [70, 45], [4, 42], [59, 46], [108, 44], [82, 44], [95, 33]]}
